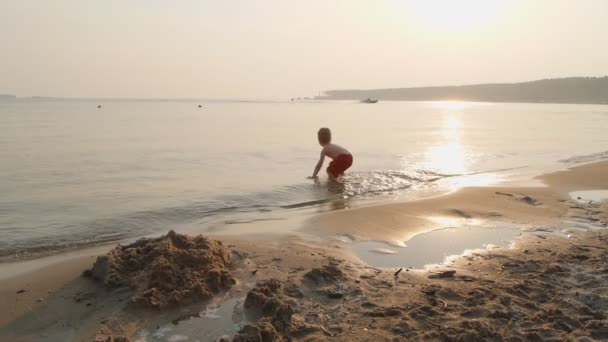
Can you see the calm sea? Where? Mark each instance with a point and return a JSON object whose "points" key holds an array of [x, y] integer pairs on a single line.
{"points": [[72, 174]]}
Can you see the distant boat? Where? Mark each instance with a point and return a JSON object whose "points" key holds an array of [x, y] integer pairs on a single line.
{"points": [[199, 106], [368, 100], [98, 106]]}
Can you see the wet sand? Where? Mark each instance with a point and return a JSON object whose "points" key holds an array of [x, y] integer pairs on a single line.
{"points": [[523, 205], [545, 287]]}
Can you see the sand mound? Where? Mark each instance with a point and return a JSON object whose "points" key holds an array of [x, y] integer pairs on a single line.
{"points": [[267, 300], [329, 273], [261, 332], [166, 271]]}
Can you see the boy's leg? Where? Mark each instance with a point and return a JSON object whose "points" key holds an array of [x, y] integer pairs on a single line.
{"points": [[331, 170], [332, 178]]}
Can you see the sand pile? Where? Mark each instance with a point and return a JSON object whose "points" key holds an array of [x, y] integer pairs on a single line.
{"points": [[166, 271], [266, 300]]}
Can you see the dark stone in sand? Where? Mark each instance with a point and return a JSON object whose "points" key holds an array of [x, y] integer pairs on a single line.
{"points": [[334, 294], [529, 200]]}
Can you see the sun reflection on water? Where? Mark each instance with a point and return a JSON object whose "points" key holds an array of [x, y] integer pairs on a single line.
{"points": [[449, 156], [453, 105]]}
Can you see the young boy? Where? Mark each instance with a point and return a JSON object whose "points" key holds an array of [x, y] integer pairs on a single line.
{"points": [[342, 159]]}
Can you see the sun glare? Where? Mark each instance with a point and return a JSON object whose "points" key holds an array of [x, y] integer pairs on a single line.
{"points": [[456, 14], [452, 105]]}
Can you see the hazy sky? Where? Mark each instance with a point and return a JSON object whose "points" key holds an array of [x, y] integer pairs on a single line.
{"points": [[279, 49]]}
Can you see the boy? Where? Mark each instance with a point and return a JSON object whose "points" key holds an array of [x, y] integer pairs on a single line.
{"points": [[342, 159]]}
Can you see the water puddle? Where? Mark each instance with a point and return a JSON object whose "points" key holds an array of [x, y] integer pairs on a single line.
{"points": [[587, 196], [217, 320], [436, 246]]}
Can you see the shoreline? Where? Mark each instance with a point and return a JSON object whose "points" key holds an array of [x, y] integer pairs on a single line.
{"points": [[385, 222], [326, 207]]}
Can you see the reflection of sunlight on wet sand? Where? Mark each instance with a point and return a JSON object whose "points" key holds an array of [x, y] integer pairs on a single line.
{"points": [[446, 221], [477, 180]]}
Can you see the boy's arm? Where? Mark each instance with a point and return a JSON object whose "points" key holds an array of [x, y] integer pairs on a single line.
{"points": [[319, 164]]}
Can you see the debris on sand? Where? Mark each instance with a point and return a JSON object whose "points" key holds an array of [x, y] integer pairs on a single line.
{"points": [[166, 271], [504, 194], [529, 200], [442, 274]]}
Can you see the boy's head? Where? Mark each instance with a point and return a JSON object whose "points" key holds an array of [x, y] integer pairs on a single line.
{"points": [[324, 136]]}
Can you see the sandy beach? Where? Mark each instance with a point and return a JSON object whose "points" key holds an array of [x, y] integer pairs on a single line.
{"points": [[550, 285]]}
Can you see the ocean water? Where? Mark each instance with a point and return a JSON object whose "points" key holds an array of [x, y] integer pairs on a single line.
{"points": [[72, 174]]}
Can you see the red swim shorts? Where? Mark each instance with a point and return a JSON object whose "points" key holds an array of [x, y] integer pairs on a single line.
{"points": [[340, 164]]}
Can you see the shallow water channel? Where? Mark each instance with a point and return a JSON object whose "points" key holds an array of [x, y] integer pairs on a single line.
{"points": [[436, 246]]}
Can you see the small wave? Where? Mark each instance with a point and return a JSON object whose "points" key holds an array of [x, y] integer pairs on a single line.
{"points": [[585, 158], [358, 184], [105, 230], [305, 204]]}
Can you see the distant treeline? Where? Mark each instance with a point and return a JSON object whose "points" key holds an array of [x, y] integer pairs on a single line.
{"points": [[4, 97], [559, 90]]}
